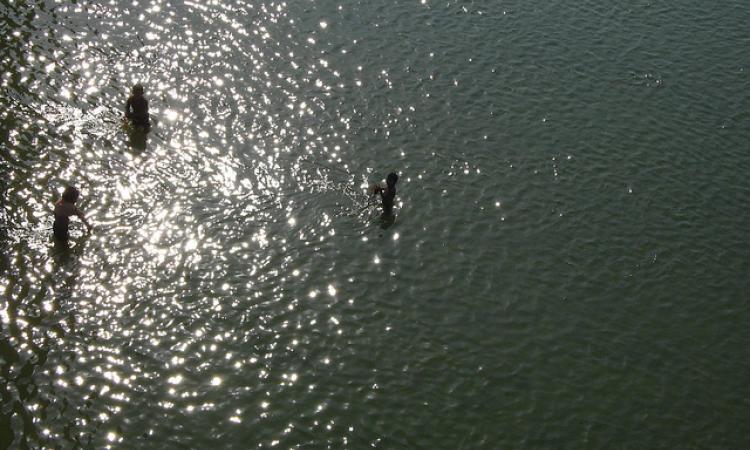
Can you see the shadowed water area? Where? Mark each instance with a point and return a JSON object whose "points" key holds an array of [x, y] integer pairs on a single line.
{"points": [[567, 267]]}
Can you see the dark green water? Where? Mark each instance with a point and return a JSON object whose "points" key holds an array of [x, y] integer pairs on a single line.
{"points": [[567, 267]]}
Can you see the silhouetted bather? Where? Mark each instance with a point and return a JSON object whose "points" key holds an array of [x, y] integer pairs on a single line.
{"points": [[136, 108], [388, 193], [64, 208]]}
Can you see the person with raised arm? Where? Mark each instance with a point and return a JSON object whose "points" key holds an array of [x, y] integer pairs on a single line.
{"points": [[387, 193]]}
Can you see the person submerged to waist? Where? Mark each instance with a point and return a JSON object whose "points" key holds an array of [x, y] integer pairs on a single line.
{"points": [[64, 208], [387, 193], [136, 108]]}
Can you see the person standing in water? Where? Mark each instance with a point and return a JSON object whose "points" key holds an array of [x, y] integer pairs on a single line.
{"points": [[388, 193], [136, 108], [64, 208]]}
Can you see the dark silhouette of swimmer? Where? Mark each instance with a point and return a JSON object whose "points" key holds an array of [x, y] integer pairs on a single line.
{"points": [[64, 208], [388, 193], [136, 108]]}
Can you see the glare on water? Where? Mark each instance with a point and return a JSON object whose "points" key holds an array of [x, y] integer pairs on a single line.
{"points": [[240, 286]]}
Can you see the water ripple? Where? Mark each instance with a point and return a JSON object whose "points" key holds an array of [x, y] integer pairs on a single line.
{"points": [[570, 188]]}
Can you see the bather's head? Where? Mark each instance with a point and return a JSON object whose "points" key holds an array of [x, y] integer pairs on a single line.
{"points": [[392, 179], [70, 194]]}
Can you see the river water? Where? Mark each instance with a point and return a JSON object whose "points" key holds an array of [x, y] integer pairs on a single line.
{"points": [[567, 266]]}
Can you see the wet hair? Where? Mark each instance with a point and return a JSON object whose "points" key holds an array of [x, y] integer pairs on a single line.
{"points": [[392, 179], [138, 89], [70, 194]]}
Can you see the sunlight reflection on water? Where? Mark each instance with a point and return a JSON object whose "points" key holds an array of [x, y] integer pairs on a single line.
{"points": [[241, 287], [234, 97]]}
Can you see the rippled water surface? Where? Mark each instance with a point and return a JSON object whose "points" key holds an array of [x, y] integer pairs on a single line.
{"points": [[567, 267]]}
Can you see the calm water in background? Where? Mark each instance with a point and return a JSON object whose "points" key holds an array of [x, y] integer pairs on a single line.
{"points": [[568, 266]]}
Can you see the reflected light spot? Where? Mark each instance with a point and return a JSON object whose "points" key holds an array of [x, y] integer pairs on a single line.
{"points": [[215, 381]]}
